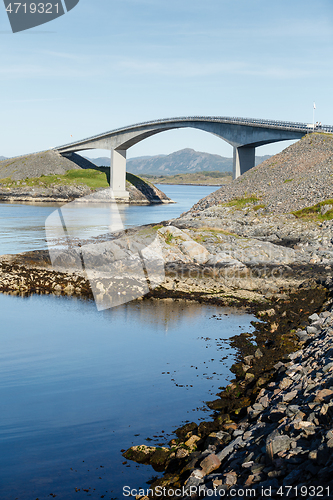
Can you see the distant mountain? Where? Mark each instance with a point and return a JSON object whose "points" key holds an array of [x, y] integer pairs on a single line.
{"points": [[103, 161], [183, 161], [3, 158]]}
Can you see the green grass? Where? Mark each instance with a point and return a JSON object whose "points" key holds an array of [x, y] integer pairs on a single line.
{"points": [[202, 177], [314, 212], [169, 239], [89, 177], [209, 233], [240, 203], [288, 180], [258, 207]]}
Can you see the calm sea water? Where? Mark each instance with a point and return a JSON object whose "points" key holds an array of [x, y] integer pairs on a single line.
{"points": [[22, 225], [77, 385]]}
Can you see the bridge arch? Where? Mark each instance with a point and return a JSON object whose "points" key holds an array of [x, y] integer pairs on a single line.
{"points": [[242, 133]]}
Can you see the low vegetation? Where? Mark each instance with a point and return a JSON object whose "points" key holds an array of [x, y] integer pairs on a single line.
{"points": [[240, 203], [258, 207], [320, 212], [169, 238], [200, 235], [205, 177], [89, 177]]}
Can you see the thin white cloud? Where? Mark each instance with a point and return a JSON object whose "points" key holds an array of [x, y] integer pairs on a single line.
{"points": [[64, 55], [189, 69], [302, 30], [34, 100], [105, 66], [35, 71]]}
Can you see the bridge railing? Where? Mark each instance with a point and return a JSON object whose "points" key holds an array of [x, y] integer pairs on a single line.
{"points": [[297, 126]]}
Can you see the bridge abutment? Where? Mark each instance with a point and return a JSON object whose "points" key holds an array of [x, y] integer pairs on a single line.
{"points": [[118, 174], [243, 160]]}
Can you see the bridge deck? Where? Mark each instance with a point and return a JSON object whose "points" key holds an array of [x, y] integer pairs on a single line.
{"points": [[263, 123]]}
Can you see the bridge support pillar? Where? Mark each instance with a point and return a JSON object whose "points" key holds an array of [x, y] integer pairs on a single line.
{"points": [[244, 159], [118, 174]]}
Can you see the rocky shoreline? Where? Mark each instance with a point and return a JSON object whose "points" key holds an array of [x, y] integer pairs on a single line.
{"points": [[271, 434], [253, 245], [267, 423], [280, 448], [203, 263], [142, 193]]}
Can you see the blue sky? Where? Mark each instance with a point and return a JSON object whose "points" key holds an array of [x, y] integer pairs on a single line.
{"points": [[107, 64]]}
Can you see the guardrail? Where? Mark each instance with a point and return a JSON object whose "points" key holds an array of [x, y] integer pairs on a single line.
{"points": [[301, 127]]}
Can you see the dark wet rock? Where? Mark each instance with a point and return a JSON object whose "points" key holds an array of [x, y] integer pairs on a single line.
{"points": [[206, 428], [292, 477], [183, 431], [147, 454]]}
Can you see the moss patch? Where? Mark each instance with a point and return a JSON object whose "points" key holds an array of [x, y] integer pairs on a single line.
{"points": [[316, 212], [258, 207], [240, 203]]}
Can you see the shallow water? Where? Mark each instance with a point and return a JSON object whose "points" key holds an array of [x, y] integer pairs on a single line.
{"points": [[77, 386]]}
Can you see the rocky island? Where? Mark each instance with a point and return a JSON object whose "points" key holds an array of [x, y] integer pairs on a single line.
{"points": [[49, 176], [263, 242]]}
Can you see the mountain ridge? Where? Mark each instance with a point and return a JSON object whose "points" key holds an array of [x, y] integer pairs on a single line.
{"points": [[183, 161]]}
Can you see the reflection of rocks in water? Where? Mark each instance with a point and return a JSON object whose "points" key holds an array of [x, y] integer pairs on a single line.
{"points": [[166, 313]]}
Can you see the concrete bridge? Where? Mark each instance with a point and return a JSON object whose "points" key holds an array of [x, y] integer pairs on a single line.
{"points": [[243, 134]]}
